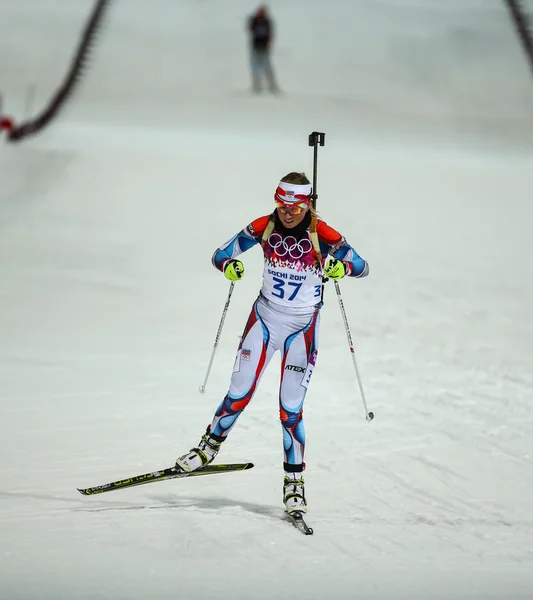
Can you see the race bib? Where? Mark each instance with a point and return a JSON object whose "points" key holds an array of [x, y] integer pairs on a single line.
{"points": [[292, 275]]}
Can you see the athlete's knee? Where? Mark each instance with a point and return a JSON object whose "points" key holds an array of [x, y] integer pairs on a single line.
{"points": [[288, 418], [233, 406]]}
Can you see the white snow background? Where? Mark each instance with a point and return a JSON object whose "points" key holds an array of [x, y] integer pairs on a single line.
{"points": [[109, 304]]}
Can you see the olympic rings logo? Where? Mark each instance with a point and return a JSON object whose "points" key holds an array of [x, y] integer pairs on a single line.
{"points": [[289, 246]]}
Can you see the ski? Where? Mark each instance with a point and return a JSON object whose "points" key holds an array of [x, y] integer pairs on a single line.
{"points": [[297, 519], [163, 475]]}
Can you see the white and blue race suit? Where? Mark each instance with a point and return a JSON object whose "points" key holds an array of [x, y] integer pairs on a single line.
{"points": [[284, 317]]}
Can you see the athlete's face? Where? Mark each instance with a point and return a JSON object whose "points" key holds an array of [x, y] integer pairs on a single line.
{"points": [[290, 220]]}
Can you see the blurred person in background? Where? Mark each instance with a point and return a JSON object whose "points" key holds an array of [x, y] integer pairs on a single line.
{"points": [[261, 31]]}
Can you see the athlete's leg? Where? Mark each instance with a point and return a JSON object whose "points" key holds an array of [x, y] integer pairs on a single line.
{"points": [[298, 361], [256, 69], [269, 74], [253, 356]]}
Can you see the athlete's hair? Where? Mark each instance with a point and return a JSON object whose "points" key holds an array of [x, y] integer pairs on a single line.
{"points": [[299, 179], [296, 178]]}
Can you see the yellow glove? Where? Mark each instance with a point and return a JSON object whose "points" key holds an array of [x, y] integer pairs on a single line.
{"points": [[335, 269], [234, 270]]}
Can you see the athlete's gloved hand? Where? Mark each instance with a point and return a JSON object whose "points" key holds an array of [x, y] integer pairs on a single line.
{"points": [[335, 269], [234, 270]]}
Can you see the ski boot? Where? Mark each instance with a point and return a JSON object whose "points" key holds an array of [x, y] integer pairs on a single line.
{"points": [[294, 493], [202, 455]]}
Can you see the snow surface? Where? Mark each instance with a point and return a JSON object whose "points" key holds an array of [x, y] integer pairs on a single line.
{"points": [[109, 304]]}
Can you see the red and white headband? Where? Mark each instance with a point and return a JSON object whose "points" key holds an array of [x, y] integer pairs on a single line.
{"points": [[291, 193]]}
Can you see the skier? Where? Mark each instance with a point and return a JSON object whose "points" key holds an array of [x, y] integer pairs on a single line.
{"points": [[285, 317], [260, 29]]}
